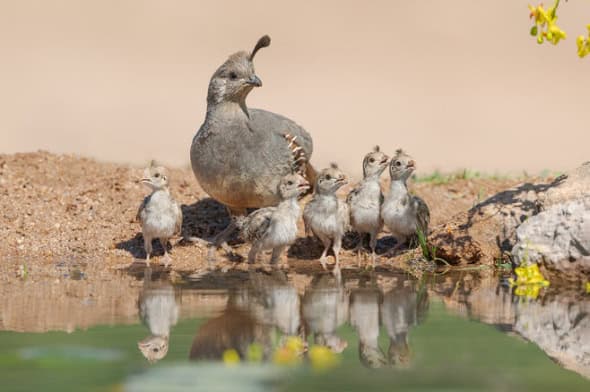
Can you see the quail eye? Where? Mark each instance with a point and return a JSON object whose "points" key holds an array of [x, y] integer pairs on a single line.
{"points": [[328, 177], [156, 350], [398, 163], [372, 160], [233, 75], [289, 182], [157, 175]]}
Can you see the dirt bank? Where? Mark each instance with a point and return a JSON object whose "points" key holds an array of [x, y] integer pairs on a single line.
{"points": [[62, 208]]}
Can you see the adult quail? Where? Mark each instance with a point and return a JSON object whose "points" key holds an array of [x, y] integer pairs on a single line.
{"points": [[403, 214], [365, 200], [325, 215], [239, 155], [159, 213], [275, 227]]}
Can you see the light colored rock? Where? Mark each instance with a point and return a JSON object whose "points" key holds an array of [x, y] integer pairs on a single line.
{"points": [[558, 237], [552, 217], [561, 327], [574, 186]]}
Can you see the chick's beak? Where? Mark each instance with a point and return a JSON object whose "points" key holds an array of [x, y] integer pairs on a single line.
{"points": [[304, 185], [146, 180], [412, 164], [254, 81]]}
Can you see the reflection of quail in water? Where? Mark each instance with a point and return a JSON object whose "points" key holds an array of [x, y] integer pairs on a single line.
{"points": [[365, 200], [159, 213], [325, 309], [275, 227], [364, 318], [403, 213], [325, 215], [239, 155], [403, 307], [159, 312]]}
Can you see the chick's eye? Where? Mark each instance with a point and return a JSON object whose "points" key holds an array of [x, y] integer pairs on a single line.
{"points": [[156, 350], [157, 175], [233, 75], [328, 177], [289, 182], [372, 160], [398, 163]]}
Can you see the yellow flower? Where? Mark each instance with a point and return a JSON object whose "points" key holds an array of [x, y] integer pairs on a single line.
{"points": [[322, 358], [231, 357], [255, 353], [285, 357], [545, 26], [583, 44], [588, 287], [529, 281], [295, 344]]}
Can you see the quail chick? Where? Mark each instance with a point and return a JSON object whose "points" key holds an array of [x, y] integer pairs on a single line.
{"points": [[239, 154], [158, 310], [326, 216], [275, 227], [403, 214], [365, 200], [159, 213]]}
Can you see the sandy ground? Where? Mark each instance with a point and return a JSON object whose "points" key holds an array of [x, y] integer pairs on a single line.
{"points": [[63, 209], [457, 83]]}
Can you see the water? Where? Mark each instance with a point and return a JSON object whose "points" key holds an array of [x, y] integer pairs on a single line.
{"points": [[460, 331]]}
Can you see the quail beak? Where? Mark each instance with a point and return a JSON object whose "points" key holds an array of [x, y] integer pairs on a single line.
{"points": [[411, 164], [384, 161], [254, 81], [146, 181], [341, 181]]}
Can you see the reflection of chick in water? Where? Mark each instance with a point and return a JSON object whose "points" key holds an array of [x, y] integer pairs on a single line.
{"points": [[272, 301], [403, 307], [267, 302], [158, 310], [325, 308], [364, 317]]}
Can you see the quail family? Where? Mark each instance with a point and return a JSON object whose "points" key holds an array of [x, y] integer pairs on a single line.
{"points": [[159, 214], [254, 159]]}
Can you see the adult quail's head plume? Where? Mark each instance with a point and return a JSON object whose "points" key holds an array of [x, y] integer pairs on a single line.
{"points": [[330, 180], [374, 163], [235, 78], [401, 166]]}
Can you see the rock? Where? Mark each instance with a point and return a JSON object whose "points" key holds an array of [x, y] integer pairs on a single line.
{"points": [[557, 238], [574, 186], [488, 231]]}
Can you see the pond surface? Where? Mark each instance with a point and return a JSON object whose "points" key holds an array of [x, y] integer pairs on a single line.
{"points": [[229, 331]]}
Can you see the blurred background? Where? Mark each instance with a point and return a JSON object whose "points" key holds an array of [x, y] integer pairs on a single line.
{"points": [[459, 84]]}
